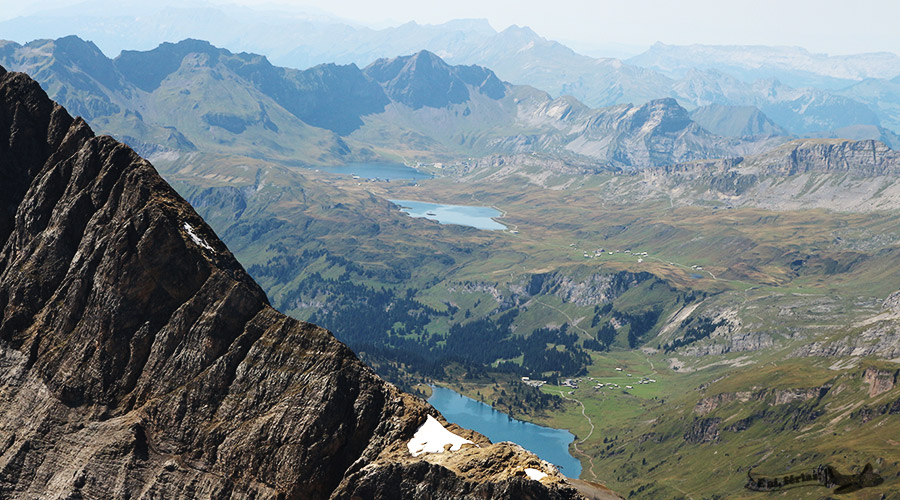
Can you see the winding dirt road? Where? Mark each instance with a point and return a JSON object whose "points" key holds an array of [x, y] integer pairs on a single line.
{"points": [[590, 459]]}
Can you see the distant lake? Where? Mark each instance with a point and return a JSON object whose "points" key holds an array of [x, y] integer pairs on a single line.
{"points": [[550, 444], [463, 215], [383, 171]]}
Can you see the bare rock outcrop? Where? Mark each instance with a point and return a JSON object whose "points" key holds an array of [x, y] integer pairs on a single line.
{"points": [[880, 340], [862, 177], [773, 397], [139, 360], [880, 381], [709, 404], [703, 430], [787, 396], [594, 289], [859, 157], [892, 302]]}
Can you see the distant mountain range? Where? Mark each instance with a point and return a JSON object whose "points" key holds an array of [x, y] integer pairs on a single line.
{"points": [[413, 107], [142, 99], [793, 65], [801, 92]]}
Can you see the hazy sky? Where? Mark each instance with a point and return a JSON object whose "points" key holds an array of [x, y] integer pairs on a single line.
{"points": [[832, 26]]}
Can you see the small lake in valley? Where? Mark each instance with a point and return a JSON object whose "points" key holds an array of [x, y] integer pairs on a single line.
{"points": [[382, 171], [463, 215], [549, 444]]}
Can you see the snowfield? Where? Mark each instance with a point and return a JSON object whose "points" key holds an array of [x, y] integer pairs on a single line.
{"points": [[535, 474], [432, 437]]}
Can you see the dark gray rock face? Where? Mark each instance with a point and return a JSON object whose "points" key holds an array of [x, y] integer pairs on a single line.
{"points": [[139, 360], [423, 79]]}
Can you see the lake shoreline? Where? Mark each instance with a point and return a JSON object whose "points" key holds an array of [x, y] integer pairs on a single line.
{"points": [[548, 443], [379, 171], [478, 217]]}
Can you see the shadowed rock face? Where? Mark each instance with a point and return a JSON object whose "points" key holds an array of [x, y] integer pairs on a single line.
{"points": [[139, 360], [424, 79]]}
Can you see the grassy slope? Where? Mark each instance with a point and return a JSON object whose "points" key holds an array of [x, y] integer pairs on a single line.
{"points": [[749, 251]]}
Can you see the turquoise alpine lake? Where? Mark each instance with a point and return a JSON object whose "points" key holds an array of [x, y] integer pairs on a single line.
{"points": [[549, 444], [463, 215], [381, 171]]}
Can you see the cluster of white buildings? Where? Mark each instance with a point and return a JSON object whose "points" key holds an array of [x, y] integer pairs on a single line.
{"points": [[533, 383], [600, 251], [571, 382], [613, 385]]}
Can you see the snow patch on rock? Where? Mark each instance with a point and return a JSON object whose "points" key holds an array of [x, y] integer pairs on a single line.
{"points": [[198, 240], [535, 474], [432, 437]]}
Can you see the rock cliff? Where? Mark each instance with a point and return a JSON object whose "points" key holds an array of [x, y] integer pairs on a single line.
{"points": [[834, 174], [880, 381], [139, 360]]}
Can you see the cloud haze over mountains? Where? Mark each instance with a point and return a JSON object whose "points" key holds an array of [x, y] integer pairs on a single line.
{"points": [[622, 28], [799, 91]]}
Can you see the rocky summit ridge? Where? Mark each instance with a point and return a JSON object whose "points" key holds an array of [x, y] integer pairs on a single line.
{"points": [[139, 360]]}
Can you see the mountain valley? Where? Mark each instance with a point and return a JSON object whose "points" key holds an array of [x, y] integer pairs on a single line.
{"points": [[705, 281]]}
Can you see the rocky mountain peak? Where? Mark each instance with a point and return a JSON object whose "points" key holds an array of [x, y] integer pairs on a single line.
{"points": [[768, 87], [424, 79], [387, 69], [419, 80], [332, 96], [147, 69], [78, 62], [479, 26], [522, 32], [84, 55], [141, 361], [662, 115]]}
